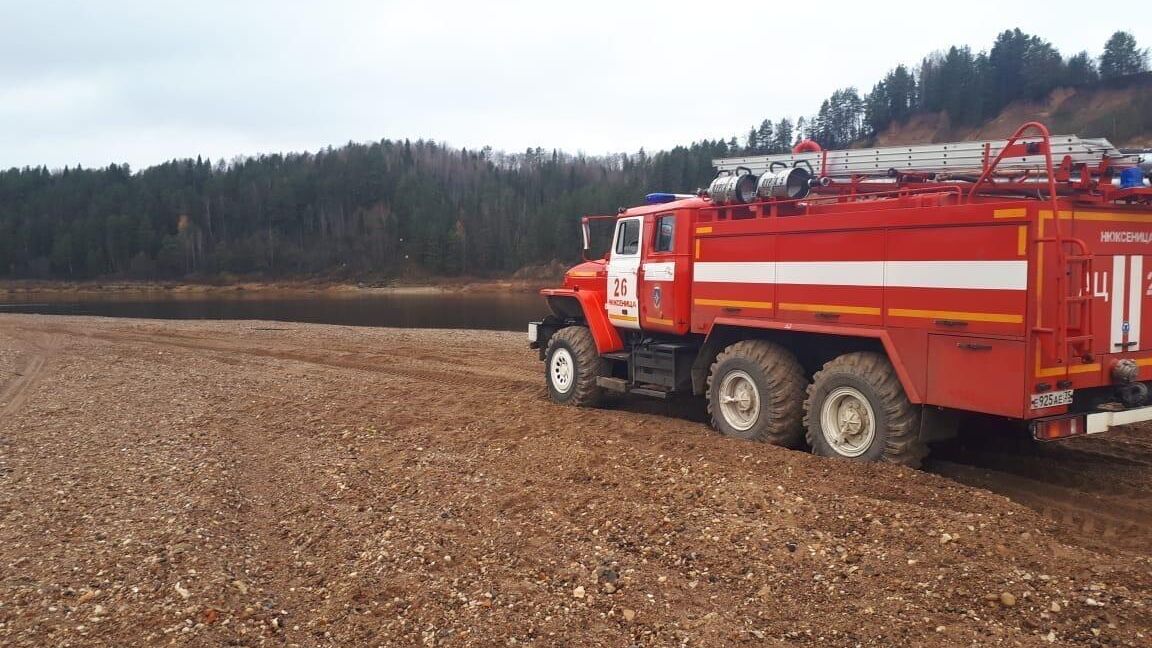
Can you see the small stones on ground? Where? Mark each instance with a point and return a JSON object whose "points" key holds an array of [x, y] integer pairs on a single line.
{"points": [[562, 529], [608, 579]]}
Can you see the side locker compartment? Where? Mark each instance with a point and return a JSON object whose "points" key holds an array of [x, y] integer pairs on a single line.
{"points": [[732, 276], [978, 374], [967, 279], [834, 277]]}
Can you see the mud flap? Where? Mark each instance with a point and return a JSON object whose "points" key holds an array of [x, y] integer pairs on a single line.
{"points": [[938, 424]]}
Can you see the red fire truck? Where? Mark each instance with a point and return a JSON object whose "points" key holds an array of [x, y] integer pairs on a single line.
{"points": [[858, 301]]}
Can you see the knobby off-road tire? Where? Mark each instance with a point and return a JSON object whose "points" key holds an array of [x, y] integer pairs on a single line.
{"points": [[756, 392], [857, 409], [571, 366]]}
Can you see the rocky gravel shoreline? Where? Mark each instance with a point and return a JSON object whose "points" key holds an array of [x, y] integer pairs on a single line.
{"points": [[248, 483]]}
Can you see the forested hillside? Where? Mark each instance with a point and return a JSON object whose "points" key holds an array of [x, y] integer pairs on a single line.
{"points": [[959, 90], [364, 210], [399, 207]]}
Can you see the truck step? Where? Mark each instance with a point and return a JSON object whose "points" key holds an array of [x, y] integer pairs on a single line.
{"points": [[612, 384], [654, 393]]}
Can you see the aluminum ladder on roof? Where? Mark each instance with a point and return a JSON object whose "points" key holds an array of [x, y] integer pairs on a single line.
{"points": [[956, 157]]}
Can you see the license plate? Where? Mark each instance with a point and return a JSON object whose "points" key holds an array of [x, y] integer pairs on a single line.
{"points": [[1052, 399], [532, 328]]}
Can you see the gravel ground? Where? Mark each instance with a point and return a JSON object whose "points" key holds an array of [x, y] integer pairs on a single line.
{"points": [[258, 483]]}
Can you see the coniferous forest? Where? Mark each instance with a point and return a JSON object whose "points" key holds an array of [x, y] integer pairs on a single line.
{"points": [[394, 207]]}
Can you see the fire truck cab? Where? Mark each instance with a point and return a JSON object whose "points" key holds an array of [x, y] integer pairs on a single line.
{"points": [[856, 302]]}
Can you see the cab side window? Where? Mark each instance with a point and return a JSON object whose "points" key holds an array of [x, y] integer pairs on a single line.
{"points": [[665, 233], [628, 237]]}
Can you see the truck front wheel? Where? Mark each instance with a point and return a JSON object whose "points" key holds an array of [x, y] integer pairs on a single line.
{"points": [[857, 409], [756, 391], [571, 367]]}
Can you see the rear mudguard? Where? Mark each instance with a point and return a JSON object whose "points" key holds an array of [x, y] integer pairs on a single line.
{"points": [[591, 305]]}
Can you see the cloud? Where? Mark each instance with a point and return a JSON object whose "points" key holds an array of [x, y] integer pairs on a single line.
{"points": [[142, 82]]}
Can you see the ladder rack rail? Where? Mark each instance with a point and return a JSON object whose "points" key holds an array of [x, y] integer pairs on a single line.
{"points": [[956, 157]]}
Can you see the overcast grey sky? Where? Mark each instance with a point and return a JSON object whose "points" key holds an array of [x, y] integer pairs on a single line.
{"points": [[146, 81]]}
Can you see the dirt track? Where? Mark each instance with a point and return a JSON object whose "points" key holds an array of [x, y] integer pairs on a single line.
{"points": [[248, 483]]}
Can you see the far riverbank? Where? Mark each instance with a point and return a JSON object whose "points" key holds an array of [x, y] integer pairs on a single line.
{"points": [[16, 289]]}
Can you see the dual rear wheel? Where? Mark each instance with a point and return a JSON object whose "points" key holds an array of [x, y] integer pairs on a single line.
{"points": [[854, 407]]}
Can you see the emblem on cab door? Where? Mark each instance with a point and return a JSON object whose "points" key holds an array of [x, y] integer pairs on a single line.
{"points": [[656, 296]]}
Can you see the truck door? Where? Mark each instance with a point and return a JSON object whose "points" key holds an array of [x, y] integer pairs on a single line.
{"points": [[660, 298], [622, 304]]}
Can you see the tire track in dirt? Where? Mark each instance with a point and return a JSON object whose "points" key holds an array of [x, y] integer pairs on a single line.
{"points": [[1097, 489], [451, 375], [1093, 518], [16, 392]]}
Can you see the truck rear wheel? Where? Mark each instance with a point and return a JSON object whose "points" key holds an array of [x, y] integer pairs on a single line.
{"points": [[571, 367], [857, 409], [756, 392]]}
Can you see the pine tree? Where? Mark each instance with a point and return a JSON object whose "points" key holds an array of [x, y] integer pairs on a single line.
{"points": [[1081, 70], [1006, 64], [764, 136], [1043, 68], [1121, 57], [877, 108], [783, 140]]}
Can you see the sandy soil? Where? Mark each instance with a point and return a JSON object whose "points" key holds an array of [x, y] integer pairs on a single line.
{"points": [[249, 483]]}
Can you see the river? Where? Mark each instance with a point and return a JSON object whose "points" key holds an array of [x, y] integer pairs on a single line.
{"points": [[500, 311]]}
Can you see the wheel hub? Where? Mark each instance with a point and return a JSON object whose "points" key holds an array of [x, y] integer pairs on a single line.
{"points": [[848, 422], [739, 400], [562, 370]]}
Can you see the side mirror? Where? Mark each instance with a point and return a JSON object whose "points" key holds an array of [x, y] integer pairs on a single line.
{"points": [[587, 237]]}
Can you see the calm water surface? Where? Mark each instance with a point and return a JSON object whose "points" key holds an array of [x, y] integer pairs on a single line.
{"points": [[493, 311]]}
